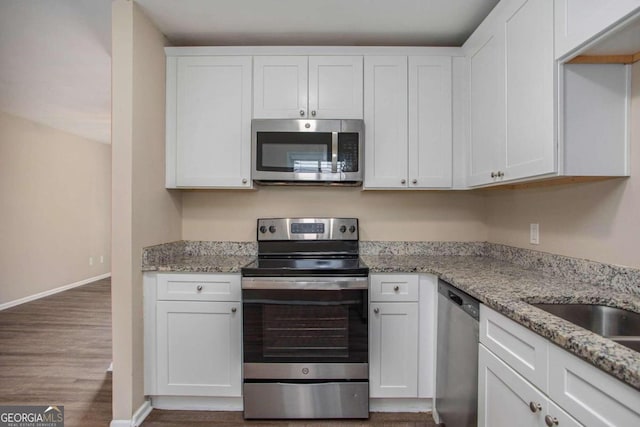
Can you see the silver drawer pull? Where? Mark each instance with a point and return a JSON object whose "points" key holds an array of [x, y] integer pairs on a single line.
{"points": [[396, 288], [233, 309], [376, 310], [199, 288], [551, 421], [535, 407]]}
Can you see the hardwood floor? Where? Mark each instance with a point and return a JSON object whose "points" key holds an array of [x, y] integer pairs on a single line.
{"points": [[159, 418], [56, 350]]}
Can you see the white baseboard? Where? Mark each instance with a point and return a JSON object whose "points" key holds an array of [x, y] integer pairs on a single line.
{"points": [[141, 414], [52, 291], [400, 405], [197, 403], [143, 411]]}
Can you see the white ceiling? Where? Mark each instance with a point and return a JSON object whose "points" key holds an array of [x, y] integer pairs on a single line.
{"points": [[318, 22], [55, 65]]}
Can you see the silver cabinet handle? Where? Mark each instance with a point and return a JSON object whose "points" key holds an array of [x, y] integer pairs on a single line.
{"points": [[415, 181], [493, 174], [551, 421], [233, 309], [500, 174], [244, 180], [403, 181], [199, 288], [376, 310], [535, 407], [313, 113], [302, 113], [396, 288]]}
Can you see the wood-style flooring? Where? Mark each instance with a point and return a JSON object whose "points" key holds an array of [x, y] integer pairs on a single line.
{"points": [[56, 351], [159, 418]]}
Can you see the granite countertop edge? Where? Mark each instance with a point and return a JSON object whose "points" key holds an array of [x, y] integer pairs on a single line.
{"points": [[503, 286], [510, 290]]}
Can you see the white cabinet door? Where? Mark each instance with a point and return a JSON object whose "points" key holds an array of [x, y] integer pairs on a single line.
{"points": [[578, 21], [430, 132], [280, 87], [530, 69], [209, 121], [592, 396], [335, 87], [393, 350], [522, 349], [199, 348], [385, 118], [486, 109], [505, 399]]}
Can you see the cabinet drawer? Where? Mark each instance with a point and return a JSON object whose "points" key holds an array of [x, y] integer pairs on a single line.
{"points": [[199, 287], [590, 395], [394, 287], [523, 350]]}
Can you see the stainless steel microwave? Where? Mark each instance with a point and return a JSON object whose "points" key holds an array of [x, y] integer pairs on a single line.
{"points": [[307, 151]]}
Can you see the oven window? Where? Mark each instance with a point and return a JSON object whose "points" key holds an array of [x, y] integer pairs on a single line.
{"points": [[293, 152], [305, 326], [305, 331]]}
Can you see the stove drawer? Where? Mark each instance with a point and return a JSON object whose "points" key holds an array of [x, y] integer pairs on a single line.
{"points": [[394, 287], [199, 287]]}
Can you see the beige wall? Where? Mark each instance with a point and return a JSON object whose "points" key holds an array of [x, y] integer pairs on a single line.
{"points": [[598, 221], [384, 215], [144, 213], [55, 190]]}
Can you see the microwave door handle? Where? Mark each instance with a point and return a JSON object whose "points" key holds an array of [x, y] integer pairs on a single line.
{"points": [[334, 152]]}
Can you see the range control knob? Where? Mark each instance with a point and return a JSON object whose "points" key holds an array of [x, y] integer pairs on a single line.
{"points": [[272, 228], [352, 229], [343, 228], [263, 229]]}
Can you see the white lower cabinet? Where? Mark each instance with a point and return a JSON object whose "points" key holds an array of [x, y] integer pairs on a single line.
{"points": [[193, 335], [568, 391], [505, 399], [393, 347], [401, 336], [199, 348]]}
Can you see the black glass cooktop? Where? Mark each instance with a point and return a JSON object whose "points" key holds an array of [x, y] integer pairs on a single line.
{"points": [[274, 267]]}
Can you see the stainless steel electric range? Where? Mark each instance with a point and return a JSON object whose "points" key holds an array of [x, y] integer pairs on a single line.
{"points": [[305, 329]]}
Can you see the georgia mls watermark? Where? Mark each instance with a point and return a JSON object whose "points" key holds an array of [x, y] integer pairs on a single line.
{"points": [[31, 416]]}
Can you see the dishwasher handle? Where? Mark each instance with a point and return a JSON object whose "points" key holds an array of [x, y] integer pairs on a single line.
{"points": [[464, 301], [455, 298]]}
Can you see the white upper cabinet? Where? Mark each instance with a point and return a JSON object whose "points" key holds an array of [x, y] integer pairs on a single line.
{"points": [[208, 122], [530, 139], [579, 21], [320, 87], [511, 70], [335, 87], [486, 109], [408, 122], [386, 122], [430, 132], [279, 86]]}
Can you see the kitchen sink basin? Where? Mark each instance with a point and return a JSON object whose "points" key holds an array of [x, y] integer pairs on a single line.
{"points": [[621, 326]]}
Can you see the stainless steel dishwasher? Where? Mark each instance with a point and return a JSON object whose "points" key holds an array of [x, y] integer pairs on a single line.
{"points": [[457, 357]]}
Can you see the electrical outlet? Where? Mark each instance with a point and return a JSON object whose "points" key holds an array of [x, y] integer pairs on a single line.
{"points": [[534, 234], [90, 261], [101, 259]]}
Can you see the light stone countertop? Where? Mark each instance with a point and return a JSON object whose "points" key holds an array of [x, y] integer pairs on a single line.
{"points": [[509, 289], [506, 279]]}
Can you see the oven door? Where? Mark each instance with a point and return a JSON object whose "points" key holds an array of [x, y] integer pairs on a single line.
{"points": [[305, 328]]}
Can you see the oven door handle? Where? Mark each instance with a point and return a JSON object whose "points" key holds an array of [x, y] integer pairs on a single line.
{"points": [[305, 283]]}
